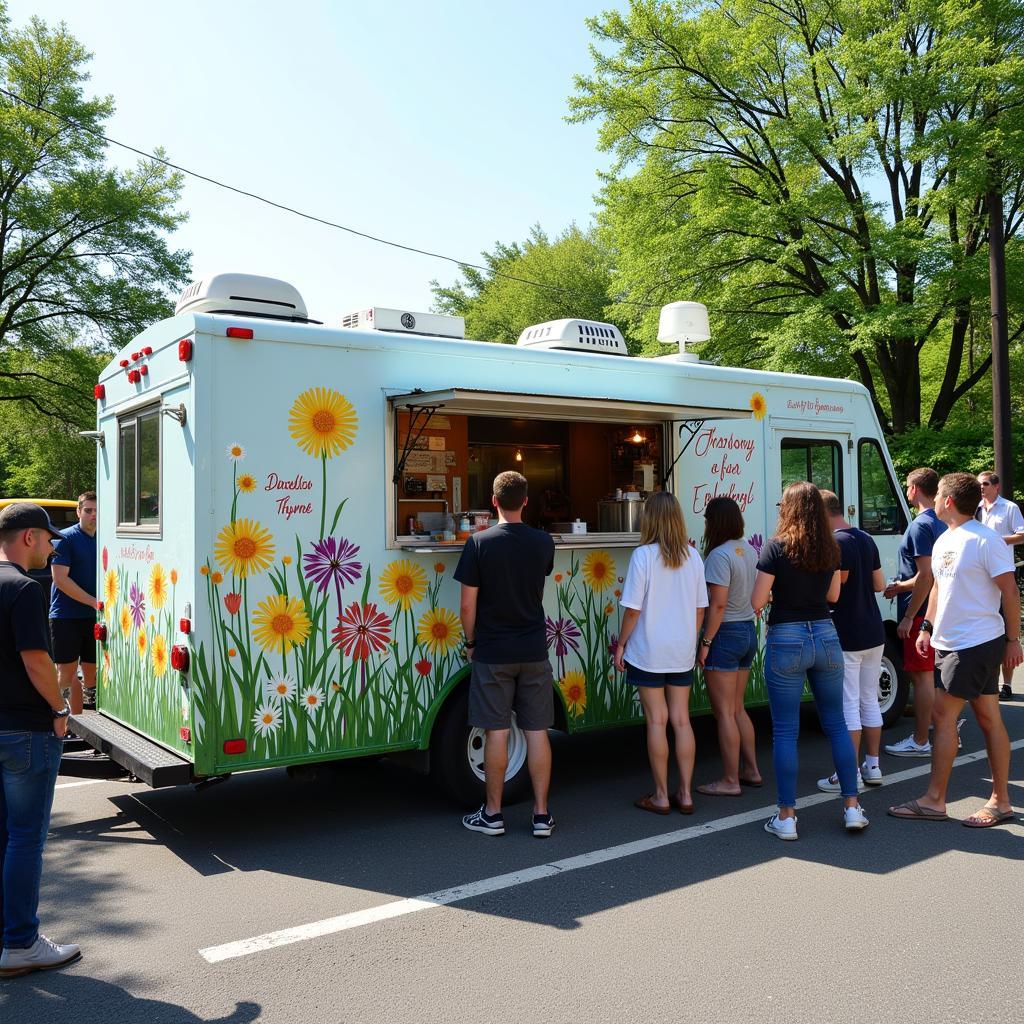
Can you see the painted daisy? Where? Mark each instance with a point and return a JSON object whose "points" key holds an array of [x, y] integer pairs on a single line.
{"points": [[311, 699], [267, 719], [235, 452], [280, 688]]}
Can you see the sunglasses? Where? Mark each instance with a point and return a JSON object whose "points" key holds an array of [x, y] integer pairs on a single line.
{"points": [[985, 483]]}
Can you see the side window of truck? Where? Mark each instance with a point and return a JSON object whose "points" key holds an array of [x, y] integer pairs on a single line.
{"points": [[138, 471], [880, 510], [818, 461]]}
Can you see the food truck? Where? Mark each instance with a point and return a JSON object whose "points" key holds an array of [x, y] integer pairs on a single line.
{"points": [[282, 504]]}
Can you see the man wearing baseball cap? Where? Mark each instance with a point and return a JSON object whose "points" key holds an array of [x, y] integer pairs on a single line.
{"points": [[33, 721]]}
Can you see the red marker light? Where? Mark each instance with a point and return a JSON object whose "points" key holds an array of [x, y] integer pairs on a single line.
{"points": [[185, 733], [234, 746], [134, 376], [99, 632], [242, 333], [144, 370], [185, 626], [179, 658], [135, 356], [99, 392], [123, 363], [148, 350], [185, 350]]}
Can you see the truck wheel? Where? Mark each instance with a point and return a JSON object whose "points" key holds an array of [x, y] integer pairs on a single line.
{"points": [[457, 757], [893, 684]]}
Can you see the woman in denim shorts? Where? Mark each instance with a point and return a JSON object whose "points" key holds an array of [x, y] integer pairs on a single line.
{"points": [[663, 598], [729, 644]]}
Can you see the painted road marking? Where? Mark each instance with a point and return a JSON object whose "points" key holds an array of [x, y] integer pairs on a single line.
{"points": [[84, 782], [470, 890]]}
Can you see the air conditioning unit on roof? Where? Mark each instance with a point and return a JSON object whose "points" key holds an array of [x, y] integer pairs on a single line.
{"points": [[402, 321], [575, 336], [245, 295]]}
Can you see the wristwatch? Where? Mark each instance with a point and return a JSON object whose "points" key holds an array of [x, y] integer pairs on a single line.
{"points": [[63, 713], [707, 641], [926, 626], [470, 644]]}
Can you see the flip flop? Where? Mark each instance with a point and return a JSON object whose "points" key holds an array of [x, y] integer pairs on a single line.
{"points": [[912, 809], [987, 817], [645, 803], [710, 789], [752, 783], [680, 806]]}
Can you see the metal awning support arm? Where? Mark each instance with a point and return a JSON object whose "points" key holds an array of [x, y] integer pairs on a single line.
{"points": [[411, 439], [692, 427]]}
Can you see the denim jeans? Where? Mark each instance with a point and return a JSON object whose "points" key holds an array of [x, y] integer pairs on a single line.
{"points": [[29, 762], [795, 651]]}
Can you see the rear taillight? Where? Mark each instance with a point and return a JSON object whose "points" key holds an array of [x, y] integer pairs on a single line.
{"points": [[185, 626], [185, 350], [185, 733], [99, 392], [179, 658], [234, 746], [241, 333], [99, 632]]}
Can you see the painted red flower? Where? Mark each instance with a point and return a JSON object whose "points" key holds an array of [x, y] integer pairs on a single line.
{"points": [[104, 559], [232, 602], [423, 667], [362, 631]]}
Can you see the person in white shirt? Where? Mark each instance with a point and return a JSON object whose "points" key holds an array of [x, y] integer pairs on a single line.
{"points": [[972, 570], [663, 597], [1005, 518]]}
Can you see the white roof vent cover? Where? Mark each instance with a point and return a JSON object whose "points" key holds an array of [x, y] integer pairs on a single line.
{"points": [[244, 294], [404, 321], [575, 336]]}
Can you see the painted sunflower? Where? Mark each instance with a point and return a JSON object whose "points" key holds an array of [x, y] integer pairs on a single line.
{"points": [[439, 630], [244, 547], [574, 689], [125, 621], [111, 587], [403, 583], [323, 422], [157, 587], [158, 655], [142, 642], [599, 571], [246, 483], [758, 405], [280, 623]]}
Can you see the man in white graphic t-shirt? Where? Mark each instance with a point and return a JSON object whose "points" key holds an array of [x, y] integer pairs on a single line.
{"points": [[1005, 518], [973, 571]]}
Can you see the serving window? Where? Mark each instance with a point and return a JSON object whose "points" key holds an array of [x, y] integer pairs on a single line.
{"points": [[138, 471], [590, 463]]}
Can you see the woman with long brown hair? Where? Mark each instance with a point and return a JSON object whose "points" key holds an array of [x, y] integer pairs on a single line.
{"points": [[663, 598], [799, 572], [729, 644]]}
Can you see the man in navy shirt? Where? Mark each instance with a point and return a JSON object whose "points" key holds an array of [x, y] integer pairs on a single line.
{"points": [[911, 593], [73, 604]]}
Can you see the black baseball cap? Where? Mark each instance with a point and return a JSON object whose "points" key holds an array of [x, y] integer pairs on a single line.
{"points": [[23, 515]]}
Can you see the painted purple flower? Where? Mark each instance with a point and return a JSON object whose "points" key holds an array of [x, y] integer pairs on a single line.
{"points": [[564, 634], [613, 645], [137, 604], [756, 542], [332, 561]]}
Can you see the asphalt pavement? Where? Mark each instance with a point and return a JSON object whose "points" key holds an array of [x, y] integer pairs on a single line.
{"points": [[358, 897]]}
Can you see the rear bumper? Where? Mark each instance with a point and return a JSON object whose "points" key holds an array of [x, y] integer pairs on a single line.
{"points": [[146, 760]]}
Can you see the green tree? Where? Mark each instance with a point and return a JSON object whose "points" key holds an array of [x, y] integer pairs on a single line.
{"points": [[530, 283], [814, 171], [83, 252]]}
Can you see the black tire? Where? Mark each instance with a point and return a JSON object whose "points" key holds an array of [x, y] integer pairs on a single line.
{"points": [[456, 756], [893, 683]]}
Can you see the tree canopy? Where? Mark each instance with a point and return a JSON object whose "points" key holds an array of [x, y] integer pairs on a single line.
{"points": [[84, 259], [815, 172]]}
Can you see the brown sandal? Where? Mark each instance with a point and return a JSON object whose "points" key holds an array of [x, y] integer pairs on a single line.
{"points": [[646, 803], [679, 805]]}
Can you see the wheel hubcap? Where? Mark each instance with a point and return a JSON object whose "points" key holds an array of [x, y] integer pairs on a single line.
{"points": [[886, 685], [516, 751]]}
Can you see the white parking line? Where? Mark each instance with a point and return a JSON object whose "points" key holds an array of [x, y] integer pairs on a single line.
{"points": [[458, 893], [84, 782]]}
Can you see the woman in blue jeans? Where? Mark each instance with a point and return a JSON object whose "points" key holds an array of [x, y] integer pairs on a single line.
{"points": [[798, 571]]}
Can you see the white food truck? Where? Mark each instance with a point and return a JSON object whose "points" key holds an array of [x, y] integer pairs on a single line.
{"points": [[282, 505]]}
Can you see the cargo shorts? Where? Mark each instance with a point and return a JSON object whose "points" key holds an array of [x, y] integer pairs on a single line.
{"points": [[496, 690]]}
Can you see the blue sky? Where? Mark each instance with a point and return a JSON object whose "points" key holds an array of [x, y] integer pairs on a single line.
{"points": [[439, 125]]}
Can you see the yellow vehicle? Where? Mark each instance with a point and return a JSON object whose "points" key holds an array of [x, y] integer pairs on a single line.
{"points": [[62, 514]]}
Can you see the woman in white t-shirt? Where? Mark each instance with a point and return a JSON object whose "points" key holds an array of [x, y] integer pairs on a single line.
{"points": [[663, 598]]}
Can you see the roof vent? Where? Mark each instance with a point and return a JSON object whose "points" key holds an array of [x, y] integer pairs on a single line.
{"points": [[401, 321], [575, 336], [244, 295]]}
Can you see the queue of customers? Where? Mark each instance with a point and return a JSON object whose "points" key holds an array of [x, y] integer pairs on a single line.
{"points": [[817, 580]]}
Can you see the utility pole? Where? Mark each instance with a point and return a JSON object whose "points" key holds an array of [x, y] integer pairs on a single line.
{"points": [[1001, 429]]}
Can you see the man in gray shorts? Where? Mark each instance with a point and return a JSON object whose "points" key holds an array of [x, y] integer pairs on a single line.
{"points": [[502, 572], [972, 570]]}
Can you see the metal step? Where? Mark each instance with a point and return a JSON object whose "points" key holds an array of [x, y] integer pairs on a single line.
{"points": [[146, 760]]}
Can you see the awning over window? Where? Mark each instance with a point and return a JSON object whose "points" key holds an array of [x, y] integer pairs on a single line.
{"points": [[518, 405]]}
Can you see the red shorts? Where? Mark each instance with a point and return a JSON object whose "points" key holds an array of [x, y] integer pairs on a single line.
{"points": [[912, 660]]}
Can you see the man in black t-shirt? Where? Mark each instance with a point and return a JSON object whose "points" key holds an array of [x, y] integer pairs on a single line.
{"points": [[33, 720], [502, 572]]}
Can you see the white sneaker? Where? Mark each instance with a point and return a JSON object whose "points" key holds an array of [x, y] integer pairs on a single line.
{"points": [[908, 748], [831, 784], [871, 774], [43, 955], [784, 828], [854, 818]]}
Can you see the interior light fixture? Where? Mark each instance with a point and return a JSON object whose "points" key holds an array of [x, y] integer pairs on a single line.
{"points": [[638, 438], [519, 455]]}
